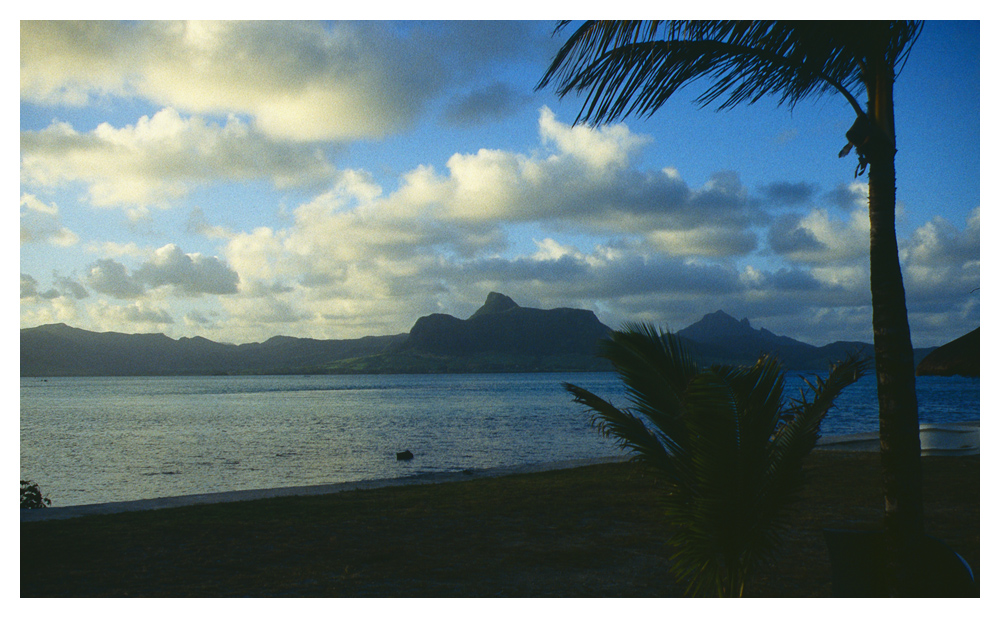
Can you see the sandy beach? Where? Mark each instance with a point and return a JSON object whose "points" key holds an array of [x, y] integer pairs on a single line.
{"points": [[579, 531]]}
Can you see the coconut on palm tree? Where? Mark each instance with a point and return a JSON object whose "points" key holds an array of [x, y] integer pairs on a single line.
{"points": [[633, 67], [726, 441]]}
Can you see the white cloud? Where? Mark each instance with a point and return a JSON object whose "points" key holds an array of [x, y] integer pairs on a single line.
{"points": [[447, 234], [940, 260], [189, 274], [818, 238], [63, 287], [32, 203], [586, 181], [244, 104], [606, 148], [107, 276], [304, 81], [36, 310], [705, 241], [161, 158], [182, 274], [40, 222], [29, 286], [140, 315]]}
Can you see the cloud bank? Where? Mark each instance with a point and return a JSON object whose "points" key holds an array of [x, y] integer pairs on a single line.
{"points": [[575, 219], [607, 234], [298, 81]]}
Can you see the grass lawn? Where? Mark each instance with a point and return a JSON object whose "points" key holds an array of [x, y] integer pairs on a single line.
{"points": [[584, 532]]}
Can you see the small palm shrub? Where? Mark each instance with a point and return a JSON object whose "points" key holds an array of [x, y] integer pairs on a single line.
{"points": [[31, 496], [726, 442]]}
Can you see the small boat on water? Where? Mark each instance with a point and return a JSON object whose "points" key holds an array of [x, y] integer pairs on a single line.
{"points": [[936, 439]]}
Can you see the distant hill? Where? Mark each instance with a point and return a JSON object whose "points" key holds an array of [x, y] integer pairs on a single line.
{"points": [[500, 326], [958, 357], [721, 338], [500, 336], [60, 350]]}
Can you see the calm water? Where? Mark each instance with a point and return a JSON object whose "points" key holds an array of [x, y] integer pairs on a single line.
{"points": [[90, 440]]}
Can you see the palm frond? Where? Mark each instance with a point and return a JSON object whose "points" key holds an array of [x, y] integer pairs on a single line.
{"points": [[796, 437], [655, 369], [628, 432], [806, 415], [726, 441], [633, 67]]}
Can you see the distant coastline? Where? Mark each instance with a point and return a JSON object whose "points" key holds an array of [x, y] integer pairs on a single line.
{"points": [[500, 337]]}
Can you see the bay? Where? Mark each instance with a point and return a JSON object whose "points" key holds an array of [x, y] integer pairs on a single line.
{"points": [[94, 440]]}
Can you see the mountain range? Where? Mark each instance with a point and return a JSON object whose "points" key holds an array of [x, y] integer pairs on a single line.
{"points": [[500, 336]]}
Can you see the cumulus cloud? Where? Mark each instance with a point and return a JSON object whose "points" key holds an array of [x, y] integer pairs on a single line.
{"points": [[62, 287], [189, 274], [362, 260], [451, 228], [940, 260], [304, 81], [940, 243], [604, 149], [139, 315], [161, 158], [604, 275], [40, 222], [29, 288], [32, 203], [46, 308], [184, 274], [109, 277], [70, 287], [704, 241], [587, 180], [137, 312], [818, 238]]}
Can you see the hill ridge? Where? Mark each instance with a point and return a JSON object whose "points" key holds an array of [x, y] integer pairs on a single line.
{"points": [[500, 336]]}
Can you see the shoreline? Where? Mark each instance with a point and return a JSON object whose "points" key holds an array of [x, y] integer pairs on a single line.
{"points": [[242, 495], [937, 439], [593, 531]]}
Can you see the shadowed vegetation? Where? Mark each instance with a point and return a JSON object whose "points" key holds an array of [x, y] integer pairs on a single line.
{"points": [[726, 443], [634, 67]]}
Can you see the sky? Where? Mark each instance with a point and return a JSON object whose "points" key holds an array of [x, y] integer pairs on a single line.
{"points": [[333, 180]]}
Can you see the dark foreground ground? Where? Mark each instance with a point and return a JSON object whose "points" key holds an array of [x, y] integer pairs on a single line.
{"points": [[593, 531]]}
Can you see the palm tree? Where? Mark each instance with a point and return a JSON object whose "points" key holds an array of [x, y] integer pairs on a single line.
{"points": [[726, 442], [634, 67]]}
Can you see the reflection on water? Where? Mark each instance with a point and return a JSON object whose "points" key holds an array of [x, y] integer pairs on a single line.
{"points": [[89, 440]]}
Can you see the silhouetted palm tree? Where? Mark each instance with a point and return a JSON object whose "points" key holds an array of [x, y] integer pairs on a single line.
{"points": [[634, 67], [726, 442]]}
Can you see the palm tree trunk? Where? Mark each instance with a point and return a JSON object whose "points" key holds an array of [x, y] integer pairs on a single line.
{"points": [[898, 421]]}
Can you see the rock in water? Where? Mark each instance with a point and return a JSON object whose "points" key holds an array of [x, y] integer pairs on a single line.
{"points": [[404, 456]]}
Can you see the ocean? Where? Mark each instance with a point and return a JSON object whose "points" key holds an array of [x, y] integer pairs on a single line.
{"points": [[109, 439]]}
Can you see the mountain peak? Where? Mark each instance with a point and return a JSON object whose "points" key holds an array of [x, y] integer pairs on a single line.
{"points": [[496, 303], [717, 326], [721, 317]]}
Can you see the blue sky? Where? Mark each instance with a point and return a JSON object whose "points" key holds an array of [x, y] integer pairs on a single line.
{"points": [[333, 180]]}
